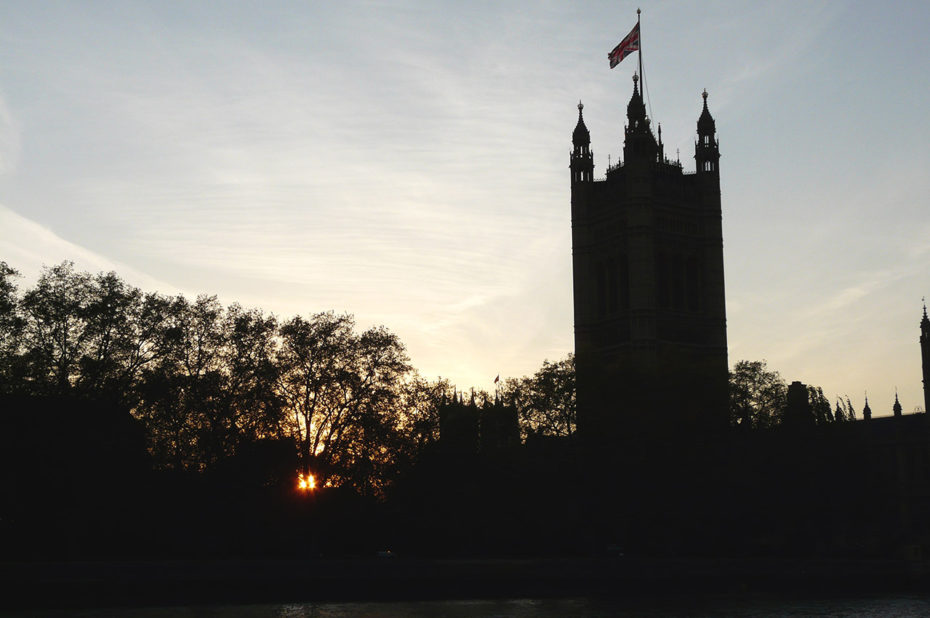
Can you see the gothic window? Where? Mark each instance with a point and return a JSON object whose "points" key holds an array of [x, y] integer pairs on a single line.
{"points": [[662, 280], [611, 291], [624, 283], [678, 283], [693, 279], [612, 282]]}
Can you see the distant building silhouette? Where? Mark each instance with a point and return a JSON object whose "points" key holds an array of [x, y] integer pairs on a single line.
{"points": [[458, 426], [925, 357], [650, 316], [467, 428], [798, 411]]}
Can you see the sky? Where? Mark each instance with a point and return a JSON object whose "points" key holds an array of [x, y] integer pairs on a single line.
{"points": [[407, 162]]}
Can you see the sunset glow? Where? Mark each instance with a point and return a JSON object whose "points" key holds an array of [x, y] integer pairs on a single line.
{"points": [[458, 240], [306, 483]]}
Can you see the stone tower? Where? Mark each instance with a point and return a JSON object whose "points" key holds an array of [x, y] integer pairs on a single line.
{"points": [[925, 357], [647, 256]]}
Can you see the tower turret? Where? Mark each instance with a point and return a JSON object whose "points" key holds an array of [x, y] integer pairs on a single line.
{"points": [[639, 142], [707, 149], [582, 160], [896, 408], [867, 411], [925, 356]]}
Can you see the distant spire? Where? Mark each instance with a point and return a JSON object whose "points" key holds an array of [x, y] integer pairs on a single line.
{"points": [[867, 411], [581, 136], [925, 355], [897, 404], [838, 413], [636, 109], [661, 145], [706, 124]]}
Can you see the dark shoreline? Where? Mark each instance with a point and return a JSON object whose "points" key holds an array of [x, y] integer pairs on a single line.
{"points": [[160, 583]]}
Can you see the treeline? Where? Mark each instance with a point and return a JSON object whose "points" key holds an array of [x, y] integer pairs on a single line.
{"points": [[209, 382], [759, 399]]}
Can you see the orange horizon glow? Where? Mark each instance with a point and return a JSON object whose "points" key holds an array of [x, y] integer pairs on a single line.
{"points": [[306, 483]]}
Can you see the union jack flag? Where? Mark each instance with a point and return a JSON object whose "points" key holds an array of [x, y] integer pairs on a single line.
{"points": [[627, 46]]}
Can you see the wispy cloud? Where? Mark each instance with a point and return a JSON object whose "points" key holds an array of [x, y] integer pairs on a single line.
{"points": [[9, 139], [27, 246]]}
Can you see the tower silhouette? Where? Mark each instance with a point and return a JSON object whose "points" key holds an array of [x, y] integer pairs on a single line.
{"points": [[647, 255], [925, 357]]}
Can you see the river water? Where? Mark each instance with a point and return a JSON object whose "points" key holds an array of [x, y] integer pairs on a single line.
{"points": [[519, 608]]}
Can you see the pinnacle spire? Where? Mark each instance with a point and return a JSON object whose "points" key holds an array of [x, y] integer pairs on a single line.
{"points": [[706, 124], [636, 109], [581, 136]]}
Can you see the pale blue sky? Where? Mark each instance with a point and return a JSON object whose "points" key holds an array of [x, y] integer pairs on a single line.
{"points": [[407, 162]]}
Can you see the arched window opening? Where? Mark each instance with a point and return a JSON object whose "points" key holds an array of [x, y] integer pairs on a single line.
{"points": [[601, 288], [693, 278], [613, 295], [662, 276], [678, 281]]}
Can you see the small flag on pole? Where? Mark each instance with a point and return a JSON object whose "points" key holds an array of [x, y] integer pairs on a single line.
{"points": [[497, 379], [627, 46]]}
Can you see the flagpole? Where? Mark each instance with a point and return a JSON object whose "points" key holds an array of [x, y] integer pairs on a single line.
{"points": [[641, 78]]}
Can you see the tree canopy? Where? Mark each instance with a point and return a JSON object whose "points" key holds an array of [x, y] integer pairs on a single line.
{"points": [[545, 401], [208, 381]]}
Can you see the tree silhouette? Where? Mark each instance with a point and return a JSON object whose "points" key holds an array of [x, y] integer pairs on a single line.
{"points": [[341, 391], [820, 405], [56, 332], [545, 401], [11, 327], [757, 395]]}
